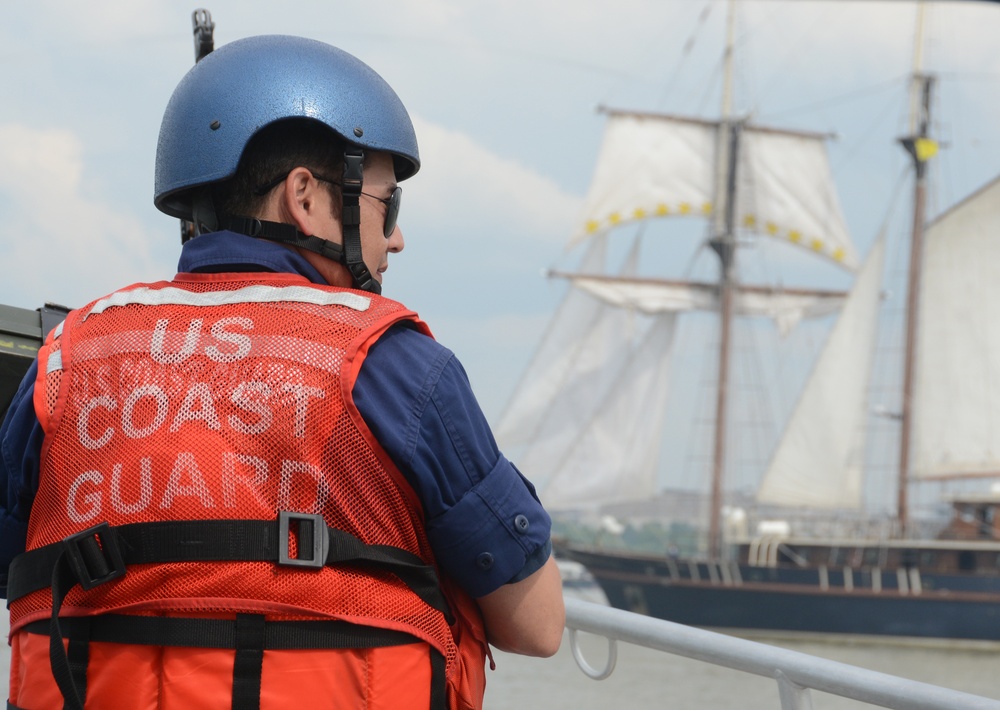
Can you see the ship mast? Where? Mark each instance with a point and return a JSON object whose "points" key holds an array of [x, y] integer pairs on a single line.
{"points": [[920, 147], [724, 244]]}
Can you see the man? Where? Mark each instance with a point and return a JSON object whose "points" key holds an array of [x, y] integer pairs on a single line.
{"points": [[261, 484]]}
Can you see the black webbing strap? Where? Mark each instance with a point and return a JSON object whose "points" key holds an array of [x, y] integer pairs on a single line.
{"points": [[78, 655], [219, 541], [249, 661], [63, 579], [439, 687], [222, 633], [284, 234]]}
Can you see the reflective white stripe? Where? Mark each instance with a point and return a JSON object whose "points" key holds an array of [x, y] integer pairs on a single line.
{"points": [[54, 363], [251, 294], [58, 330]]}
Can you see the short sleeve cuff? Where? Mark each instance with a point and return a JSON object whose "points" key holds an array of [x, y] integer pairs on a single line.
{"points": [[486, 539]]}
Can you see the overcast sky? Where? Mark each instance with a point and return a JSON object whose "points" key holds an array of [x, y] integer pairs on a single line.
{"points": [[503, 98]]}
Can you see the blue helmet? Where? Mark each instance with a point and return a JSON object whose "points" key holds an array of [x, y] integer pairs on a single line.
{"points": [[250, 83]]}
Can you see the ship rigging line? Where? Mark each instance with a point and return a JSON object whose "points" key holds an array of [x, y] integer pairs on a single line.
{"points": [[874, 88], [671, 83], [822, 18]]}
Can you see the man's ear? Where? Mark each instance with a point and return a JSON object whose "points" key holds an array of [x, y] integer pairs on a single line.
{"points": [[306, 204]]}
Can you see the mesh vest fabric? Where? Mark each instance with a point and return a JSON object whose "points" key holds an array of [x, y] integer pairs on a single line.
{"points": [[210, 398]]}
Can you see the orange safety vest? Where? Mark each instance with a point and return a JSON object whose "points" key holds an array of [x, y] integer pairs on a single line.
{"points": [[215, 524]]}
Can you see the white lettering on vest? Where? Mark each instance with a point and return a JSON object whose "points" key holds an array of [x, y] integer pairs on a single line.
{"points": [[128, 423], [201, 393], [275, 396], [301, 486], [190, 342], [196, 488], [83, 423], [242, 342], [93, 499], [252, 397], [288, 470], [145, 488], [232, 476], [302, 394]]}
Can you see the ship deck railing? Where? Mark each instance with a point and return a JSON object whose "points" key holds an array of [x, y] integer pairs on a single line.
{"points": [[796, 673]]}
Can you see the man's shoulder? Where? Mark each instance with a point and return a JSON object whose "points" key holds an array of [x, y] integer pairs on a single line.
{"points": [[405, 360], [404, 342]]}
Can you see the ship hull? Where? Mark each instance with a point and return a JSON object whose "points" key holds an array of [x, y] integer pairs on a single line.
{"points": [[748, 597]]}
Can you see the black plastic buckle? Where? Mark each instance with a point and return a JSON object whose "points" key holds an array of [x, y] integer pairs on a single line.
{"points": [[312, 533], [353, 175], [250, 226], [254, 227], [94, 556], [363, 278]]}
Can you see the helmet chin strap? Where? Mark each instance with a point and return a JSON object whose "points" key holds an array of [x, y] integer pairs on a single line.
{"points": [[284, 234], [350, 255], [351, 221]]}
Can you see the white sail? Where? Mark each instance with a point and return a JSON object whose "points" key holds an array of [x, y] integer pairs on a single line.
{"points": [[786, 191], [585, 420], [614, 456], [583, 338], [957, 384], [652, 165], [818, 462]]}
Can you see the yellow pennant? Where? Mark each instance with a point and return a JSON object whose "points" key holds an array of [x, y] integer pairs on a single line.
{"points": [[926, 149]]}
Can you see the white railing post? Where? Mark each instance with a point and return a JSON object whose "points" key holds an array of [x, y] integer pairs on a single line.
{"points": [[793, 696]]}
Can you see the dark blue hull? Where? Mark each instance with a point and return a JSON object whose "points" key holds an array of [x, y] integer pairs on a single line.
{"points": [[789, 600]]}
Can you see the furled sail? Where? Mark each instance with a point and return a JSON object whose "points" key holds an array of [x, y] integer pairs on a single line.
{"points": [[818, 462], [653, 165], [651, 296], [957, 385]]}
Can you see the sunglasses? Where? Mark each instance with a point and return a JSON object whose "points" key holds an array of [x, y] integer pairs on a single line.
{"points": [[391, 202]]}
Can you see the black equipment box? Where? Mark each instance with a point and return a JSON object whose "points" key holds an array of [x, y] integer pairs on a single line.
{"points": [[22, 332]]}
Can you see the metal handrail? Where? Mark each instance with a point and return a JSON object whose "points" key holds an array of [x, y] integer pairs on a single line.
{"points": [[794, 672]]}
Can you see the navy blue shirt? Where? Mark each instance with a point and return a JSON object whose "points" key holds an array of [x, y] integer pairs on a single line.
{"points": [[483, 518]]}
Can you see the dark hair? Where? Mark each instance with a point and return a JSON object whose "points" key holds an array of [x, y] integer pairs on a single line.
{"points": [[276, 150]]}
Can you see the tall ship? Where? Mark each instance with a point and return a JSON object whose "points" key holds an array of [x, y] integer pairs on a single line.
{"points": [[798, 552]]}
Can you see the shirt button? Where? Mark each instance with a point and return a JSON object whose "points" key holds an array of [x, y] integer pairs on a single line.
{"points": [[484, 561], [521, 524]]}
